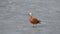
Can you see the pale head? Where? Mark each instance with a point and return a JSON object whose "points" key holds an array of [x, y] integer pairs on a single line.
{"points": [[30, 14]]}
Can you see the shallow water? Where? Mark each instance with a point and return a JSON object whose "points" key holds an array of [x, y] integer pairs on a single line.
{"points": [[14, 16]]}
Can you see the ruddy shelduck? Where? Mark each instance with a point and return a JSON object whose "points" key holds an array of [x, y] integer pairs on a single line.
{"points": [[32, 19]]}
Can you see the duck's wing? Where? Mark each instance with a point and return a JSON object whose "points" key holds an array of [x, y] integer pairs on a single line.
{"points": [[35, 20]]}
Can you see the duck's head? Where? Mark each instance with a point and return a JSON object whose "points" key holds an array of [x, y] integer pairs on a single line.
{"points": [[30, 14]]}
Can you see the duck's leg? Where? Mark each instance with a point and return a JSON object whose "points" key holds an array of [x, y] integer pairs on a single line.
{"points": [[34, 25]]}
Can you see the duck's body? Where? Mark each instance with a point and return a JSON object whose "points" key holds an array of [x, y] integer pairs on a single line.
{"points": [[33, 20]]}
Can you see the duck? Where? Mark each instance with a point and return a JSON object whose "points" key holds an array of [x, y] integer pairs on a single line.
{"points": [[33, 20]]}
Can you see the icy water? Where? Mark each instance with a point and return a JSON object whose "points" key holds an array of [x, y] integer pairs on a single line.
{"points": [[14, 18]]}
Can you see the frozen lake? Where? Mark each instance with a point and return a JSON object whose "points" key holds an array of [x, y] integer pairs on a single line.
{"points": [[14, 16]]}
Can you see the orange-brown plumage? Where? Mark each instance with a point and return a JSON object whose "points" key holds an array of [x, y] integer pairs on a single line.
{"points": [[33, 20]]}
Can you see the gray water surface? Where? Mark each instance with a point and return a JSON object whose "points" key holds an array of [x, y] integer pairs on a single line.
{"points": [[14, 17]]}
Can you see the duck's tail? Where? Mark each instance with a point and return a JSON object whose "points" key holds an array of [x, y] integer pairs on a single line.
{"points": [[39, 22]]}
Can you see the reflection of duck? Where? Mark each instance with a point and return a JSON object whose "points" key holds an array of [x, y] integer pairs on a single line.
{"points": [[33, 20]]}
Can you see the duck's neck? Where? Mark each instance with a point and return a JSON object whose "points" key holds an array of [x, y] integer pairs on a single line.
{"points": [[30, 17]]}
